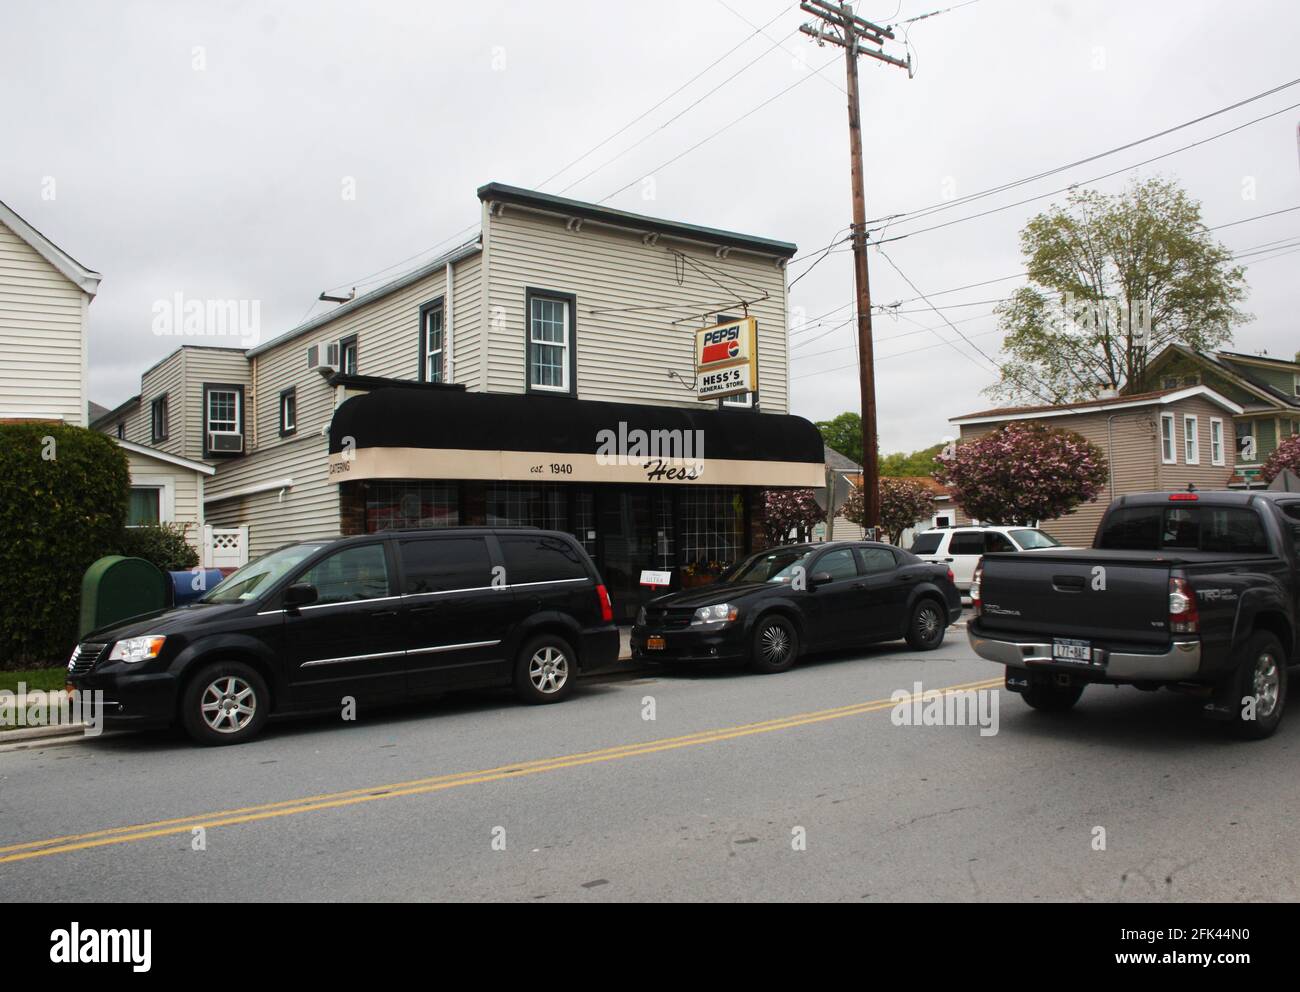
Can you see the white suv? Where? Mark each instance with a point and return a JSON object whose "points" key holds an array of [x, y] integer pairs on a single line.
{"points": [[960, 548]]}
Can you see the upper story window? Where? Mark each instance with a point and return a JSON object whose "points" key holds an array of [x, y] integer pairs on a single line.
{"points": [[288, 411], [1191, 440], [1216, 441], [121, 430], [551, 365], [348, 355], [1168, 453], [1295, 386], [223, 419], [158, 419], [432, 351]]}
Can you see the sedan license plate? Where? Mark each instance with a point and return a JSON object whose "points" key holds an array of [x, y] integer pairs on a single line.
{"points": [[654, 643], [1071, 651]]}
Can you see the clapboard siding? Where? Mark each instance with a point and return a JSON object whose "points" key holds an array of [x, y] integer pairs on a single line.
{"points": [[467, 290], [42, 336], [167, 377], [310, 508], [187, 509], [625, 354], [217, 366], [1134, 444]]}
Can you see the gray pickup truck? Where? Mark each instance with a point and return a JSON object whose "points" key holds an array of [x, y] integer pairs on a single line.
{"points": [[1193, 591]]}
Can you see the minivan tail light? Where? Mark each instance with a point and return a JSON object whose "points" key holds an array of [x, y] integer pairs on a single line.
{"points": [[1184, 617], [606, 607]]}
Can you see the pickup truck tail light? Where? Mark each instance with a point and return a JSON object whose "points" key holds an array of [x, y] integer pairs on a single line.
{"points": [[974, 586], [606, 607], [1184, 618]]}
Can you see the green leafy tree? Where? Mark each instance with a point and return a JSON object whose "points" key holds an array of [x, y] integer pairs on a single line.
{"points": [[918, 463], [844, 434], [1112, 281]]}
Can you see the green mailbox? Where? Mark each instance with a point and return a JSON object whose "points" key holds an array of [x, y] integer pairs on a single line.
{"points": [[115, 588]]}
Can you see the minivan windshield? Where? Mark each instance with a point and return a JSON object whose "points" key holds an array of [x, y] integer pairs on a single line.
{"points": [[258, 576], [1032, 539], [769, 566]]}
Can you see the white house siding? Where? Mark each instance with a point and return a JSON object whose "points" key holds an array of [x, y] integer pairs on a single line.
{"points": [[467, 290], [622, 354], [181, 503], [1134, 458], [166, 377], [310, 508], [218, 366], [42, 337]]}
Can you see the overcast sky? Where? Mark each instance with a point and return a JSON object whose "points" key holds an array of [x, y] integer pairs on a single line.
{"points": [[201, 148]]}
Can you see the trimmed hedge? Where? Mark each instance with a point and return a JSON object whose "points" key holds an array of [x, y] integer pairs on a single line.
{"points": [[63, 503], [163, 545]]}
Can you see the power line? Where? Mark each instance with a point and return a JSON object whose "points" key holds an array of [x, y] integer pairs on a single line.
{"points": [[921, 212], [1064, 189], [718, 133]]}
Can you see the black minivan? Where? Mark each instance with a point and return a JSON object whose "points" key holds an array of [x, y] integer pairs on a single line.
{"points": [[381, 617]]}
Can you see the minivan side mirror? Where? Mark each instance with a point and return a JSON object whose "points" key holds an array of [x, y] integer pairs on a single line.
{"points": [[300, 594], [819, 579]]}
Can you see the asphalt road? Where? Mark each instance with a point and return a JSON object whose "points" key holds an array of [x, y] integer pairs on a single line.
{"points": [[708, 801]]}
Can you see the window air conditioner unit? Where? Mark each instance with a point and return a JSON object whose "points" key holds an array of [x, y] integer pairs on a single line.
{"points": [[225, 442]]}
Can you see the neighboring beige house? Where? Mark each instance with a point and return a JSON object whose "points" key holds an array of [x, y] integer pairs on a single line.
{"points": [[44, 297], [1167, 439], [470, 389]]}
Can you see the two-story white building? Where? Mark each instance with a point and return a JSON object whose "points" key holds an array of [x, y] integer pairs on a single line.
{"points": [[485, 387]]}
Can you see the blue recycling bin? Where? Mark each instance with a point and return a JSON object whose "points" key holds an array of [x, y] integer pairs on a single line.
{"points": [[189, 585]]}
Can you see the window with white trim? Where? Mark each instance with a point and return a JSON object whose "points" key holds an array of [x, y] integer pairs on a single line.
{"points": [[1216, 441], [158, 419], [145, 506], [1168, 453], [431, 342], [550, 322], [288, 411], [1295, 386], [1247, 447], [1191, 440], [223, 411]]}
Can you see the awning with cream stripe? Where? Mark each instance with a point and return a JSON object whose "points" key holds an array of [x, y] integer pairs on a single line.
{"points": [[403, 430]]}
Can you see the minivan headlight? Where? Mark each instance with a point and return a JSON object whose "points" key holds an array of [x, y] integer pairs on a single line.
{"points": [[134, 649], [722, 613]]}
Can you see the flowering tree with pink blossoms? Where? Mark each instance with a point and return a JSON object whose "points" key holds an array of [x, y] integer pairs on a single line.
{"points": [[902, 503], [790, 511], [1023, 472], [1286, 456]]}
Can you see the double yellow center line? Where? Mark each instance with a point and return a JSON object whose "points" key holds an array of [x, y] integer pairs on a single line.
{"points": [[422, 786]]}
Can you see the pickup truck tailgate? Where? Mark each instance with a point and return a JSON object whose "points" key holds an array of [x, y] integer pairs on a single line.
{"points": [[1061, 595]]}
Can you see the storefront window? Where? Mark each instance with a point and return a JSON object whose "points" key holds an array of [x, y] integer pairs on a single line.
{"points": [[514, 504], [393, 505], [713, 522], [584, 521]]}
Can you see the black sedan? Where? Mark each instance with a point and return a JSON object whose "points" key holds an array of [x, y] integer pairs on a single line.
{"points": [[772, 607]]}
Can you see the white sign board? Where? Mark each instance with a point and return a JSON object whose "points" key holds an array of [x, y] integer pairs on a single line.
{"points": [[724, 382], [656, 578]]}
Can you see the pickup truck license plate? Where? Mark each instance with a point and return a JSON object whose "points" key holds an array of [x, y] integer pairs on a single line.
{"points": [[654, 643], [1072, 651]]}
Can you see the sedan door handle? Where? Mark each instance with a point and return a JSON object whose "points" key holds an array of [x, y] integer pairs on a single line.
{"points": [[382, 613], [423, 609]]}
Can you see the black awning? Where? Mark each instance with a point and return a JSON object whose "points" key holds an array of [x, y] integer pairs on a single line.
{"points": [[402, 417]]}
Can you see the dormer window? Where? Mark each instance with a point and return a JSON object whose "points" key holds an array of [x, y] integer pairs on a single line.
{"points": [[223, 419]]}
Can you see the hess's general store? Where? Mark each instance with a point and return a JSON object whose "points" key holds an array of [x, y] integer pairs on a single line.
{"points": [[617, 376]]}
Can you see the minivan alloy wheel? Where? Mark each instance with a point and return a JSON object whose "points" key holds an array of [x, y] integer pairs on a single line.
{"points": [[548, 669], [228, 704], [1266, 683]]}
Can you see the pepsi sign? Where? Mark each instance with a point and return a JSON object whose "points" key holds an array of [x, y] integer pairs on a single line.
{"points": [[726, 347]]}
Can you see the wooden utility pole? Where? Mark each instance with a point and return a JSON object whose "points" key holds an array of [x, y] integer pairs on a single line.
{"points": [[838, 25]]}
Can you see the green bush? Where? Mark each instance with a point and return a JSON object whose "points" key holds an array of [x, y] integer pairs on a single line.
{"points": [[63, 500], [162, 544]]}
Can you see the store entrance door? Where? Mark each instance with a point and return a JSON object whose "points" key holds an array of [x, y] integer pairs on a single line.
{"points": [[633, 538]]}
